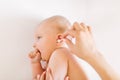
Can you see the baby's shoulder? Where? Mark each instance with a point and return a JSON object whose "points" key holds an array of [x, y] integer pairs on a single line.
{"points": [[60, 52]]}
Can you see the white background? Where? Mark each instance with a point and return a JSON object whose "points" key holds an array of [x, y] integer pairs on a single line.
{"points": [[18, 18]]}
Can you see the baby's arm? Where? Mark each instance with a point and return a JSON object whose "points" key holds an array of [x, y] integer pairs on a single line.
{"points": [[35, 63], [58, 65]]}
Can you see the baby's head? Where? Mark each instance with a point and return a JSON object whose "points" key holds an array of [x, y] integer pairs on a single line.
{"points": [[48, 33]]}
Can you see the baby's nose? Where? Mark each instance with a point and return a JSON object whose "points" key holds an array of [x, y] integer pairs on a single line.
{"points": [[34, 45]]}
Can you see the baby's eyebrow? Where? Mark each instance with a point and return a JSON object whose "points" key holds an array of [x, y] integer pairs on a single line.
{"points": [[37, 34]]}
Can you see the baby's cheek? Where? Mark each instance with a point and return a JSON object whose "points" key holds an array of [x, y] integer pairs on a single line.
{"points": [[47, 55], [44, 54]]}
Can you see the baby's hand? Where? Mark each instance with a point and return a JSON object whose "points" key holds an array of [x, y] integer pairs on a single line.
{"points": [[35, 56]]}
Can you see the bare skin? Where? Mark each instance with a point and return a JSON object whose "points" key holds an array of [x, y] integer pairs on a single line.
{"points": [[85, 49], [47, 75], [88, 52], [35, 58], [59, 59], [62, 63]]}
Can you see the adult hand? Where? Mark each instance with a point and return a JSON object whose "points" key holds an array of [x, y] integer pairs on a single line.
{"points": [[47, 75], [84, 46]]}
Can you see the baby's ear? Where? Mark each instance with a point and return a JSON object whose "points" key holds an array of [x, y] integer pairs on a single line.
{"points": [[59, 38]]}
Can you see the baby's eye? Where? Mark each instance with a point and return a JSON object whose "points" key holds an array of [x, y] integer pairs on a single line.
{"points": [[38, 37]]}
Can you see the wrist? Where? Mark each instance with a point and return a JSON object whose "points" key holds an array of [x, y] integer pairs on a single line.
{"points": [[94, 56]]}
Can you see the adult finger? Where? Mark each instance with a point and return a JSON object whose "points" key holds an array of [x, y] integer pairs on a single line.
{"points": [[38, 77], [89, 29], [67, 78], [42, 77], [69, 43], [49, 75], [77, 26], [84, 27], [69, 32]]}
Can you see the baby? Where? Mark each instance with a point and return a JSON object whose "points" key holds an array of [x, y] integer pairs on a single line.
{"points": [[49, 47]]}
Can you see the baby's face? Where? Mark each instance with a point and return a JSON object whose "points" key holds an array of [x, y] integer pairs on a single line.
{"points": [[45, 40]]}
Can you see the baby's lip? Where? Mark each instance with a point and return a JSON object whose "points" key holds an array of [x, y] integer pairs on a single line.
{"points": [[37, 50]]}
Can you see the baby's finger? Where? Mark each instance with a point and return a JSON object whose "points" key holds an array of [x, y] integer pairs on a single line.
{"points": [[30, 55], [36, 50]]}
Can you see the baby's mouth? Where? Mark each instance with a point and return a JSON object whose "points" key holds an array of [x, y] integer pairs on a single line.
{"points": [[40, 54], [38, 51]]}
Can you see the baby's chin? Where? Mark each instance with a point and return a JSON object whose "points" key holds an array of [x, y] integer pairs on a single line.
{"points": [[44, 57]]}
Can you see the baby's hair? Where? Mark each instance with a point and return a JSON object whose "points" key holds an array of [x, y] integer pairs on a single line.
{"points": [[61, 22]]}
